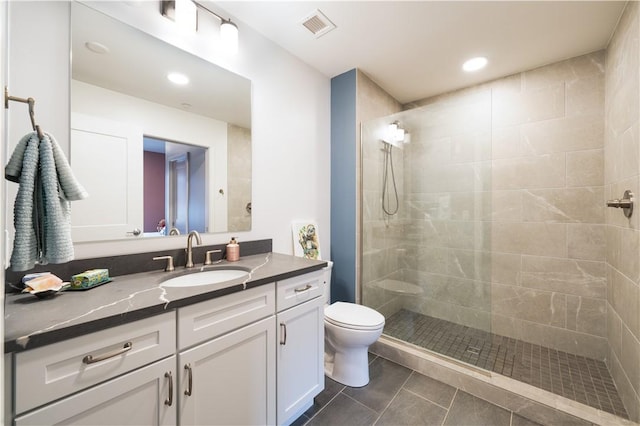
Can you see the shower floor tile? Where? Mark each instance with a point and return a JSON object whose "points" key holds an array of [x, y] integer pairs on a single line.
{"points": [[576, 377]]}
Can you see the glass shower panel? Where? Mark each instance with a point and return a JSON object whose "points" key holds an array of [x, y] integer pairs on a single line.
{"points": [[427, 264]]}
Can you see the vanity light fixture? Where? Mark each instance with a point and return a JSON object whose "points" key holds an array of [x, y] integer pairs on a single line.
{"points": [[183, 12], [228, 30], [475, 64], [229, 36]]}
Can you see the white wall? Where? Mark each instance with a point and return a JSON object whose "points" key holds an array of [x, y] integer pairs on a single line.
{"points": [[163, 122], [290, 103]]}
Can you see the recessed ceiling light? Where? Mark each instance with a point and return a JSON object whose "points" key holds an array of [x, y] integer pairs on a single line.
{"points": [[96, 47], [475, 64], [177, 78]]}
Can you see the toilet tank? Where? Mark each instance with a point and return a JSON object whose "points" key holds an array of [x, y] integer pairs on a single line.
{"points": [[326, 277]]}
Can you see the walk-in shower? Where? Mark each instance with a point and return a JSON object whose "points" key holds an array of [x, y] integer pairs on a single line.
{"points": [[494, 255]]}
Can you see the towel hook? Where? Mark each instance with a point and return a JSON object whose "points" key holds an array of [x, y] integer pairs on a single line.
{"points": [[32, 104]]}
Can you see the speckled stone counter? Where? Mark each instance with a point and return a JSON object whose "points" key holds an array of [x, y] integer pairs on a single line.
{"points": [[31, 322]]}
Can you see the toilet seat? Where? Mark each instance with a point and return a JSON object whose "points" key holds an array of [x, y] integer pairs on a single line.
{"points": [[353, 316]]}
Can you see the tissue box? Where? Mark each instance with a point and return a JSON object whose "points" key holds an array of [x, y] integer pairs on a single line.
{"points": [[90, 278]]}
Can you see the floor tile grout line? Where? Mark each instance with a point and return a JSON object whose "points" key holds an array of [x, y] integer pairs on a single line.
{"points": [[427, 399], [394, 397], [327, 404], [450, 405], [359, 403]]}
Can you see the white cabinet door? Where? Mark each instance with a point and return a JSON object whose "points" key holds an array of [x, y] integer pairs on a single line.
{"points": [[300, 358], [230, 380], [106, 158], [141, 397]]}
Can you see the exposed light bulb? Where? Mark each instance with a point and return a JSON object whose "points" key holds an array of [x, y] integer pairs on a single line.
{"points": [[186, 14], [229, 36]]}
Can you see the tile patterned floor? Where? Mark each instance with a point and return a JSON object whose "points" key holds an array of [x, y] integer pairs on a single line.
{"points": [[576, 377], [398, 396]]}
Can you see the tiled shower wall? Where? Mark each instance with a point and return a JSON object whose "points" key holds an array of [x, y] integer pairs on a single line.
{"points": [[548, 206], [622, 166], [502, 225], [239, 178]]}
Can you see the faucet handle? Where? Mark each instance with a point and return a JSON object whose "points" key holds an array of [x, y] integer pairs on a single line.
{"points": [[169, 266], [207, 257]]}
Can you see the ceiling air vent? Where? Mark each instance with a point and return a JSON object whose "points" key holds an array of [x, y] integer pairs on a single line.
{"points": [[318, 23]]}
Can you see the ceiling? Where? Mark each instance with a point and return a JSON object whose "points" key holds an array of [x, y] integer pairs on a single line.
{"points": [[415, 49], [137, 64]]}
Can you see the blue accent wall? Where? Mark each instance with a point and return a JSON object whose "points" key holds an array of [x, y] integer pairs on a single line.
{"points": [[343, 187]]}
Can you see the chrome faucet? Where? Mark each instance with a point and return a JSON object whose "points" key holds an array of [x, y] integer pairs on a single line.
{"points": [[192, 234]]}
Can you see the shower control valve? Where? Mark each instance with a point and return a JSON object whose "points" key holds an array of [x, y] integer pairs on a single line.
{"points": [[625, 203]]}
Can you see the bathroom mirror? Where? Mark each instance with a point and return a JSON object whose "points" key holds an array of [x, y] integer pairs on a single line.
{"points": [[125, 111]]}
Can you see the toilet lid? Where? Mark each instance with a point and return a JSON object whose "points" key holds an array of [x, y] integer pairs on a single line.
{"points": [[350, 315]]}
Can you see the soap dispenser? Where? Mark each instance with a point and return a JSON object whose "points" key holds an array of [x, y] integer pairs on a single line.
{"points": [[233, 250]]}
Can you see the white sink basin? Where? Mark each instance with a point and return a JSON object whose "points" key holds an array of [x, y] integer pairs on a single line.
{"points": [[214, 276]]}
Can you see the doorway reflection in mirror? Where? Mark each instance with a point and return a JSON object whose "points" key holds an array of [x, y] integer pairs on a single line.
{"points": [[175, 188]]}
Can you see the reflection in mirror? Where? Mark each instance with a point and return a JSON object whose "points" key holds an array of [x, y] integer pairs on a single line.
{"points": [[175, 188], [122, 105]]}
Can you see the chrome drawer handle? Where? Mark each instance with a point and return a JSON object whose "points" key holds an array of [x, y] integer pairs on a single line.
{"points": [[90, 359], [283, 338], [169, 401], [301, 289], [190, 384]]}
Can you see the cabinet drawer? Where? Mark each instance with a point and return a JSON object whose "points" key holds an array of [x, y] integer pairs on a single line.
{"points": [[136, 398], [206, 320], [296, 290], [59, 369]]}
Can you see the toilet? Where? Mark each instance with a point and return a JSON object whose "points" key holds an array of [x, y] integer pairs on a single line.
{"points": [[349, 330]]}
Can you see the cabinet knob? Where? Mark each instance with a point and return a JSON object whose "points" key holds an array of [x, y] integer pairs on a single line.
{"points": [[135, 232]]}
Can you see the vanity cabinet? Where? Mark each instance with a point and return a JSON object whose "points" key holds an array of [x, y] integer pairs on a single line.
{"points": [[142, 397], [300, 350], [252, 357], [57, 383], [231, 377]]}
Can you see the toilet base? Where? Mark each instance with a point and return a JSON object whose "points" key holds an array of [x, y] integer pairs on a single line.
{"points": [[350, 369]]}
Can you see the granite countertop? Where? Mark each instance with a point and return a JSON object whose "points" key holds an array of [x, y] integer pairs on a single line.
{"points": [[31, 322]]}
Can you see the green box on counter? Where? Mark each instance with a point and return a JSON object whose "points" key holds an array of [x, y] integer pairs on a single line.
{"points": [[90, 278]]}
